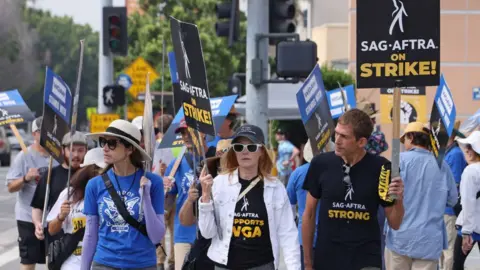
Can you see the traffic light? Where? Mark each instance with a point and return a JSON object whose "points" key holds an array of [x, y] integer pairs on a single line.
{"points": [[113, 95], [228, 28], [295, 59], [115, 35], [281, 17], [235, 86]]}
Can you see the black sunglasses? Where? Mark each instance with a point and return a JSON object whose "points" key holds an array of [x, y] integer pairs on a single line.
{"points": [[112, 143], [252, 148]]}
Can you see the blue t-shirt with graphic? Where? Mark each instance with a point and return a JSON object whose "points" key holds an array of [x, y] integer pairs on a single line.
{"points": [[119, 245], [184, 177]]}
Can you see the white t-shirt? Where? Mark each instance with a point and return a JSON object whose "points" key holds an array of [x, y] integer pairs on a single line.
{"points": [[75, 221]]}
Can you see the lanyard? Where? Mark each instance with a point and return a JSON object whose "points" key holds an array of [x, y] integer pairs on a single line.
{"points": [[245, 191]]}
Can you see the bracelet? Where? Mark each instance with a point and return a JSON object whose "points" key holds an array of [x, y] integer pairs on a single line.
{"points": [[24, 180]]}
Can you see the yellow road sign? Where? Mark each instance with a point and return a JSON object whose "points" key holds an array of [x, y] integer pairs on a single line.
{"points": [[90, 111], [138, 73], [135, 109], [100, 122]]}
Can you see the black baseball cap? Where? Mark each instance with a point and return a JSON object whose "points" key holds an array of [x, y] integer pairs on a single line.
{"points": [[251, 132]]}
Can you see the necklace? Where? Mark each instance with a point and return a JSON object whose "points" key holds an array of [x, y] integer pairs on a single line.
{"points": [[120, 188]]}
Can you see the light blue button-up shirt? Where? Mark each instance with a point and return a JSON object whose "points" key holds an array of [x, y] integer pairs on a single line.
{"points": [[422, 234]]}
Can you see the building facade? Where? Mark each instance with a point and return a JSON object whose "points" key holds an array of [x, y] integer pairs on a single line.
{"points": [[330, 31]]}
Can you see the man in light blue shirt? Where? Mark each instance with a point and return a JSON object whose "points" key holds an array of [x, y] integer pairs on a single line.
{"points": [[298, 196], [422, 235], [286, 156]]}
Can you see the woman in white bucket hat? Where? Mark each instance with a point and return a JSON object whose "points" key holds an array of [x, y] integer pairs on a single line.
{"points": [[117, 235]]}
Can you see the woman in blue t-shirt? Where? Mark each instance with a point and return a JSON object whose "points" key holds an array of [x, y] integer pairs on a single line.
{"points": [[110, 241]]}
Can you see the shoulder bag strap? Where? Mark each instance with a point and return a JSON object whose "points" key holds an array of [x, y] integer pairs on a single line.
{"points": [[121, 206], [245, 191]]}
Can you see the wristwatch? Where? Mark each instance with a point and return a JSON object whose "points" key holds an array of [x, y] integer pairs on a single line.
{"points": [[25, 179]]}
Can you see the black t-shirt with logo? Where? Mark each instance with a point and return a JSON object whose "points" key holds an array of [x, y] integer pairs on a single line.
{"points": [[348, 234], [250, 245]]}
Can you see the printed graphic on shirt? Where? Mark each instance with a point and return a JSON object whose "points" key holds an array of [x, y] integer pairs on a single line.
{"points": [[349, 194], [247, 225], [187, 180], [384, 182], [353, 211], [78, 222], [112, 217]]}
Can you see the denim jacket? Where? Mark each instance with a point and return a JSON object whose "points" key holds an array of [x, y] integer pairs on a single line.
{"points": [[283, 231]]}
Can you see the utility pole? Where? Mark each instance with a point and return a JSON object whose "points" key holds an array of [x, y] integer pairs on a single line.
{"points": [[105, 65], [257, 95]]}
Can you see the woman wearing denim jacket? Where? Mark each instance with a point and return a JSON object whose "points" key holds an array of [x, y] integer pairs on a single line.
{"points": [[249, 218]]}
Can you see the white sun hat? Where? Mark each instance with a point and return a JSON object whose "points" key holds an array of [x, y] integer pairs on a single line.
{"points": [[126, 131], [138, 122], [94, 156], [473, 139]]}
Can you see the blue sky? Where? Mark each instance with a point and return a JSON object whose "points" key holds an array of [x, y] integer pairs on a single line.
{"points": [[82, 11]]}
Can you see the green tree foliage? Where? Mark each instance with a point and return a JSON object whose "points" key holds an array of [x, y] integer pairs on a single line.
{"points": [[17, 56], [58, 47], [331, 77], [148, 31]]}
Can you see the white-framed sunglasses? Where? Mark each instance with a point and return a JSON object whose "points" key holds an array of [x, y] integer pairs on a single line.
{"points": [[252, 148]]}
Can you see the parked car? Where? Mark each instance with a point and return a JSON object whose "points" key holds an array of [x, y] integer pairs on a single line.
{"points": [[14, 144], [4, 147]]}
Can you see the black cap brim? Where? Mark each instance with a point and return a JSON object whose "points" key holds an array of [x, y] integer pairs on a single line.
{"points": [[248, 136]]}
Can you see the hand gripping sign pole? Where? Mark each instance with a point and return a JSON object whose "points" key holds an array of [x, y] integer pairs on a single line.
{"points": [[397, 96]]}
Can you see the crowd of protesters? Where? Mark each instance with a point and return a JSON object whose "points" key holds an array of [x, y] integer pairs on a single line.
{"points": [[223, 208]]}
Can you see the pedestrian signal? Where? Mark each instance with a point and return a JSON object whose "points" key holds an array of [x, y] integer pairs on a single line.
{"points": [[113, 95]]}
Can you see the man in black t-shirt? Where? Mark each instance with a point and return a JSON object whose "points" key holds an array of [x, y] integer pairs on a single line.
{"points": [[58, 179], [351, 184]]}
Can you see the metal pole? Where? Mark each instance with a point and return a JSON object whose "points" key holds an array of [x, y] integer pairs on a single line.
{"points": [[257, 95], [105, 65]]}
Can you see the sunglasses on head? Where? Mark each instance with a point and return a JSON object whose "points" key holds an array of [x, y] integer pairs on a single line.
{"points": [[238, 147]]}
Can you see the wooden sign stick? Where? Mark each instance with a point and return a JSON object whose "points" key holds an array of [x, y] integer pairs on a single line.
{"points": [[19, 138], [397, 96]]}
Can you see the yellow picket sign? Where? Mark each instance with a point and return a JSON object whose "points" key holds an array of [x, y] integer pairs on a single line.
{"points": [[100, 122]]}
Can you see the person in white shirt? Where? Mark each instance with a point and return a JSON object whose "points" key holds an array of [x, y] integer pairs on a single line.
{"points": [[245, 211], [67, 213], [468, 221]]}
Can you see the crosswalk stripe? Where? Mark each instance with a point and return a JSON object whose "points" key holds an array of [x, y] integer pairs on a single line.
{"points": [[9, 256], [9, 236]]}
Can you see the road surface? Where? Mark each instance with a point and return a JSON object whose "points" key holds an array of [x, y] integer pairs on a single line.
{"points": [[9, 259]]}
